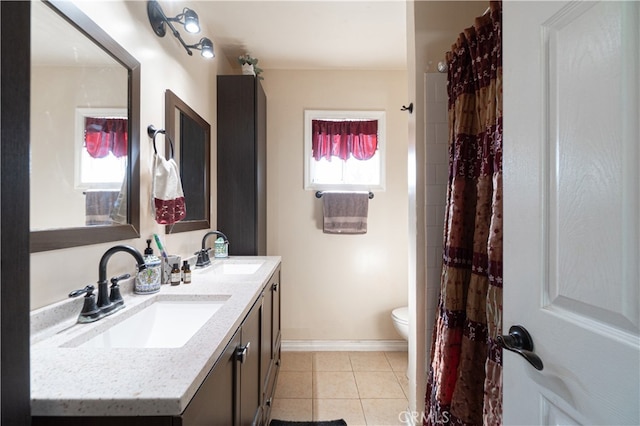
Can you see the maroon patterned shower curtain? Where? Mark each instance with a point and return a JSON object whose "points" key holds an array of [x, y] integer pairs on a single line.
{"points": [[465, 377]]}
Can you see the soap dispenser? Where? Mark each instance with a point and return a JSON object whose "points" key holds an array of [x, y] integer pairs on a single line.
{"points": [[148, 280], [220, 248]]}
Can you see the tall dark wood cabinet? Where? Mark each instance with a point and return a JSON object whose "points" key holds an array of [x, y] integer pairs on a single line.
{"points": [[242, 158]]}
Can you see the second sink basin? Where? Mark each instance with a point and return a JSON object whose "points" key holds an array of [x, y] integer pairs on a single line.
{"points": [[231, 267], [238, 268], [163, 324]]}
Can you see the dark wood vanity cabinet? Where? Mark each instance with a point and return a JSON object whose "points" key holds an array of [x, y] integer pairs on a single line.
{"points": [[243, 380], [231, 393], [214, 403], [241, 164]]}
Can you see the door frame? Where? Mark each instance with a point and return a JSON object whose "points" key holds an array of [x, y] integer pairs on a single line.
{"points": [[15, 397]]}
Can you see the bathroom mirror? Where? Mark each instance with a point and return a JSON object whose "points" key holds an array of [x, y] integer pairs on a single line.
{"points": [[85, 125], [191, 135]]}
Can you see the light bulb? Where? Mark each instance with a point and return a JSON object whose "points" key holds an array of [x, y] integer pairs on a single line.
{"points": [[191, 23], [206, 46]]}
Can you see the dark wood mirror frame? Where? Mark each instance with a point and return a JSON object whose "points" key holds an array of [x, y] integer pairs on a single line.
{"points": [[172, 104], [80, 236]]}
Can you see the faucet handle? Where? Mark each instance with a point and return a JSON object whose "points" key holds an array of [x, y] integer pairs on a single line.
{"points": [[114, 295], [90, 311], [114, 280], [88, 289], [203, 258]]}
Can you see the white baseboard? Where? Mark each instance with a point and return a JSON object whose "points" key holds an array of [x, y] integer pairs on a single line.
{"points": [[344, 345]]}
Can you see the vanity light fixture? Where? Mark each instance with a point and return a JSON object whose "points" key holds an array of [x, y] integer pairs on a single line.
{"points": [[188, 18]]}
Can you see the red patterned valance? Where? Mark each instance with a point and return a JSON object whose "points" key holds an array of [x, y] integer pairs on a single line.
{"points": [[343, 139], [104, 135]]}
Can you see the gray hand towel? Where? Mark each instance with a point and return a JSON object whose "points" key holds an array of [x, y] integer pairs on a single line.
{"points": [[98, 206], [345, 212]]}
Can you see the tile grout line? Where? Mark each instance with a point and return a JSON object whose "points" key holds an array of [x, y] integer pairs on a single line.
{"points": [[364, 415], [313, 387], [314, 381]]}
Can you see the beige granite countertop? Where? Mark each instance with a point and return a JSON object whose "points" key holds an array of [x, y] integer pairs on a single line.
{"points": [[79, 381]]}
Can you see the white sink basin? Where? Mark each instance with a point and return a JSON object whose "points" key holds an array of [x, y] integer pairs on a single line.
{"points": [[238, 268], [232, 267], [163, 324]]}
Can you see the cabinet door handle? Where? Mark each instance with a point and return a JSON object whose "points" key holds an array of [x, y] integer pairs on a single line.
{"points": [[242, 352], [275, 286]]}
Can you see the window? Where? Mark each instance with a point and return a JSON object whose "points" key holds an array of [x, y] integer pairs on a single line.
{"points": [[101, 148], [351, 162]]}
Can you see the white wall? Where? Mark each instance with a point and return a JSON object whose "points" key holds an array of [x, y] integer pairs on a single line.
{"points": [[164, 65], [336, 287]]}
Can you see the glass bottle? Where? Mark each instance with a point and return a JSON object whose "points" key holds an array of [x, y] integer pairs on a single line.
{"points": [[175, 274], [186, 272]]}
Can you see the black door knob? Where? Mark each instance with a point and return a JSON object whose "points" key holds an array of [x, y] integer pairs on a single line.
{"points": [[519, 341]]}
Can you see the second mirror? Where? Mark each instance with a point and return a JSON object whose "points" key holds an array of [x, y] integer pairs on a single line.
{"points": [[192, 137]]}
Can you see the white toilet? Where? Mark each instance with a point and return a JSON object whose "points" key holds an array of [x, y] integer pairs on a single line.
{"points": [[400, 318]]}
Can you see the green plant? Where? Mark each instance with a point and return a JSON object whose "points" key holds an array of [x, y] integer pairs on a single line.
{"points": [[247, 59]]}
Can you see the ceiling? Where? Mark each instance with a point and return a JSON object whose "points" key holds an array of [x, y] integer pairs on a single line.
{"points": [[55, 42], [306, 34]]}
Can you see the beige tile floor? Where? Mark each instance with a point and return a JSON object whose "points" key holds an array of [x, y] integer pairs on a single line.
{"points": [[363, 388]]}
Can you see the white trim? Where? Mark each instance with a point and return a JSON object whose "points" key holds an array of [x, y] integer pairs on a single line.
{"points": [[344, 345]]}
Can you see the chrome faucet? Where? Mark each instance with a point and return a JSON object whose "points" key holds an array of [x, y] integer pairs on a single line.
{"points": [[106, 304], [203, 255]]}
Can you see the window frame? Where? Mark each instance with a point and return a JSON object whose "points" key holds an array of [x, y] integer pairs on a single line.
{"points": [[310, 115]]}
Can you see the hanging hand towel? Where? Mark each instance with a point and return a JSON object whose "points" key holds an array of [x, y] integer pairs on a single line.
{"points": [[98, 207], [345, 212], [119, 211], [168, 197]]}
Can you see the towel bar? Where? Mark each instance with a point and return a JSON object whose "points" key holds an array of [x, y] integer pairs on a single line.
{"points": [[319, 194]]}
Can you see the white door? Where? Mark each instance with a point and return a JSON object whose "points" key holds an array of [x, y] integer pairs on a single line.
{"points": [[571, 210]]}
